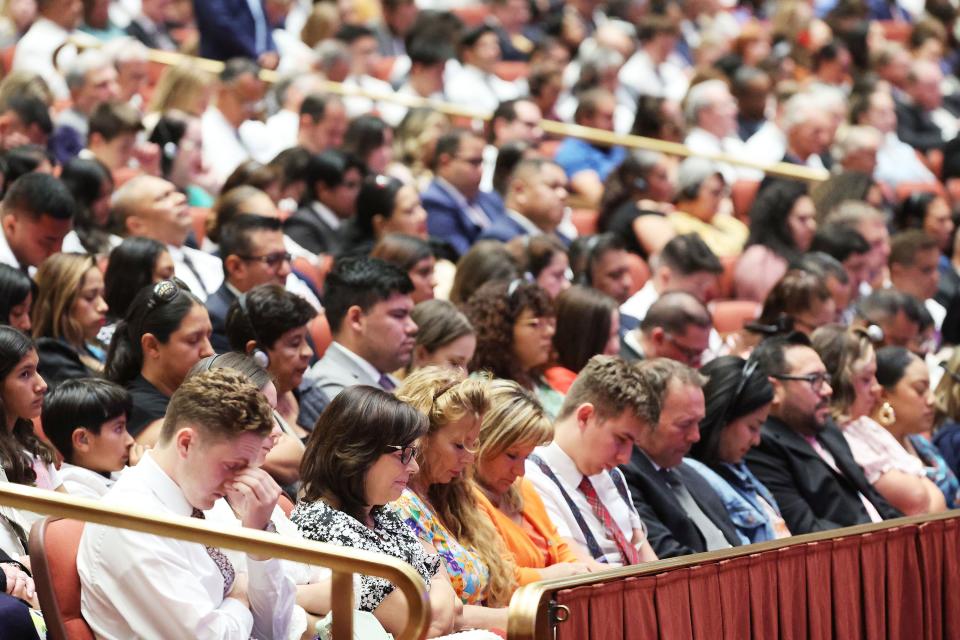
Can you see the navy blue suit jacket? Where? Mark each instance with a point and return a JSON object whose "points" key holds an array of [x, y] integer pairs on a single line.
{"points": [[506, 229], [218, 304], [446, 220], [227, 29]]}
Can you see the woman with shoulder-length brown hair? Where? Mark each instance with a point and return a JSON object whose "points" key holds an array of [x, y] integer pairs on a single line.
{"points": [[588, 324]]}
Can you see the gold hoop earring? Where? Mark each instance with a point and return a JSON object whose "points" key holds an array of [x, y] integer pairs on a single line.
{"points": [[886, 416]]}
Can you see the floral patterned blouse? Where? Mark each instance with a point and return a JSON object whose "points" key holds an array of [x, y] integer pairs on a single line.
{"points": [[937, 469], [322, 523], [468, 574]]}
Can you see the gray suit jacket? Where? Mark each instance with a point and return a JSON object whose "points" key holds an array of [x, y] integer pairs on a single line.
{"points": [[325, 380]]}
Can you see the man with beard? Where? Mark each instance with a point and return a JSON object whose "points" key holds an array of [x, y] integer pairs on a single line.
{"points": [[803, 458]]}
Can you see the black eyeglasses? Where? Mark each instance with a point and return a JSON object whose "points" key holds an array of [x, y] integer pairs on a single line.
{"points": [[406, 452], [815, 380], [272, 260], [163, 292]]}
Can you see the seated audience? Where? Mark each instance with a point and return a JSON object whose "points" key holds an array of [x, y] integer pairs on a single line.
{"points": [[413, 255], [37, 212], [588, 324], [178, 135], [133, 264], [871, 223], [535, 201], [137, 583], [737, 398], [711, 114], [545, 259], [906, 411], [914, 270], [602, 262], [898, 476], [587, 164], [682, 513], [516, 124], [895, 313], [114, 127], [67, 316], [165, 332], [91, 78], [17, 293], [370, 140], [698, 209], [368, 305], [850, 249], [475, 84], [677, 326], [576, 475], [486, 261], [803, 458], [511, 428], [86, 420], [834, 276], [56, 22], [946, 435], [323, 123], [385, 205], [931, 214], [445, 337], [91, 186]]}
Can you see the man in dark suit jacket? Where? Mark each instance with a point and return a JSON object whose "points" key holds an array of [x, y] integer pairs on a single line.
{"points": [[150, 27], [457, 211], [232, 29], [535, 201], [333, 179], [682, 513], [803, 458], [915, 126]]}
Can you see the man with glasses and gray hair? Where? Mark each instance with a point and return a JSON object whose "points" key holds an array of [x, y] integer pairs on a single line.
{"points": [[677, 327]]}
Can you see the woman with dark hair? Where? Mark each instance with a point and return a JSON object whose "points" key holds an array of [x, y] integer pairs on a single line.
{"points": [[133, 264], [370, 139], [931, 214], [515, 323], [602, 262], [906, 411], [90, 183], [783, 221], [415, 256], [486, 261], [508, 157], [385, 205], [543, 258], [445, 337], [165, 332], [637, 195], [359, 458], [17, 293], [181, 157], [737, 398], [588, 323]]}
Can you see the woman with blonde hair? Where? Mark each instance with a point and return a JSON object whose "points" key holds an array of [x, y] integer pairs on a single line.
{"points": [[439, 504], [513, 426], [946, 434], [183, 87], [68, 313]]}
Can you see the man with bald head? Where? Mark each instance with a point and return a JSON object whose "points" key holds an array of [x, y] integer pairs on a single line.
{"points": [[153, 208], [535, 201]]}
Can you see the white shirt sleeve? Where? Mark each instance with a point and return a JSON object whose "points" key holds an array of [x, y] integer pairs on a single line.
{"points": [[272, 598]]}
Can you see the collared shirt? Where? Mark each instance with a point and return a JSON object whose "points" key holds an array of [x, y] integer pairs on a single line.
{"points": [[525, 222], [897, 162], [82, 482], [639, 303], [223, 147], [206, 275], [471, 87], [623, 513], [326, 214], [141, 585], [6, 253], [476, 213], [704, 142]]}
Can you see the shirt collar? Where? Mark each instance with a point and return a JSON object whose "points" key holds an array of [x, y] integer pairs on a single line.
{"points": [[365, 366], [162, 485], [232, 289], [326, 214], [524, 222], [562, 464]]}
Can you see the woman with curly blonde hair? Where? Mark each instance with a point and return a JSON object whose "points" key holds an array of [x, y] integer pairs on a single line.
{"points": [[439, 504]]}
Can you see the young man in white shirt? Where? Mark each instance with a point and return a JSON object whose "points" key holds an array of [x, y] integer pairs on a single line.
{"points": [[141, 585], [577, 477], [36, 215]]}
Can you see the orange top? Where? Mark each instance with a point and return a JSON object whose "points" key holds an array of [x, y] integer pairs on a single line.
{"points": [[560, 378], [534, 543]]}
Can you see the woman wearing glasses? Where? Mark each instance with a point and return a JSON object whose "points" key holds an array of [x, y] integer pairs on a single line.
{"points": [[165, 332], [870, 425], [738, 397], [439, 505]]}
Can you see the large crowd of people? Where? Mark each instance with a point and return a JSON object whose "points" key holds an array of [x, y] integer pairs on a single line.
{"points": [[497, 354]]}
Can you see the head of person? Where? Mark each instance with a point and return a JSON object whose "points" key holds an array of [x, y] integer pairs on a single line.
{"points": [[596, 109], [86, 420], [808, 128], [323, 122], [37, 213], [677, 326], [710, 106], [700, 188], [91, 185], [240, 90], [801, 296], [91, 79], [875, 109], [905, 382], [445, 337], [801, 384], [947, 393], [893, 312], [751, 89], [24, 159], [851, 361], [687, 264], [737, 397], [26, 117], [931, 214], [153, 208], [588, 323], [537, 190], [514, 120], [413, 255], [270, 324], [783, 219], [253, 253], [213, 430], [386, 205], [545, 258], [923, 84], [869, 222], [21, 400], [399, 15], [165, 332], [604, 414], [333, 180], [914, 263], [513, 425], [831, 271], [361, 454], [184, 87], [841, 187], [427, 62], [290, 167], [134, 263], [849, 248], [480, 47], [17, 293], [361, 42], [368, 305], [235, 201], [458, 159], [857, 148], [515, 324], [179, 137], [370, 139], [642, 175], [113, 133], [486, 261], [602, 262], [70, 304]]}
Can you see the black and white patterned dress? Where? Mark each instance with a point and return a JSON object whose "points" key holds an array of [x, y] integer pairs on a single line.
{"points": [[322, 523]]}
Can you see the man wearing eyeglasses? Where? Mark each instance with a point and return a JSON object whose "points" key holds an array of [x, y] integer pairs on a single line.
{"points": [[253, 253], [803, 457], [677, 327]]}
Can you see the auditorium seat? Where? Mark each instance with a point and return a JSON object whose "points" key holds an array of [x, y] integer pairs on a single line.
{"points": [[320, 333], [730, 315], [511, 70], [725, 289], [54, 543], [742, 194], [312, 271], [585, 220], [639, 271], [472, 15]]}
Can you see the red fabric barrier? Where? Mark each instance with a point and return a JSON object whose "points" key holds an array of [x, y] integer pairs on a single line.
{"points": [[873, 561], [930, 543], [577, 626], [819, 593], [639, 608], [763, 595], [951, 575], [673, 605], [847, 594], [706, 612], [791, 588], [734, 579], [904, 597], [606, 605]]}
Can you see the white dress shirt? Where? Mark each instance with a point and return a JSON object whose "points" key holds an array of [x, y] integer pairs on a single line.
{"points": [[207, 267], [84, 483], [139, 585], [703, 142], [360, 105], [72, 244], [471, 87], [768, 144], [623, 513], [35, 52], [224, 148], [639, 303], [6, 253], [666, 80], [898, 162], [282, 131]]}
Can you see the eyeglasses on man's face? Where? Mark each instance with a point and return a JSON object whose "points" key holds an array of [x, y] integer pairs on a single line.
{"points": [[272, 260], [815, 380]]}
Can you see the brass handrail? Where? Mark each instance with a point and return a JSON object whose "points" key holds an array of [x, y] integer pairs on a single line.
{"points": [[529, 617], [342, 561]]}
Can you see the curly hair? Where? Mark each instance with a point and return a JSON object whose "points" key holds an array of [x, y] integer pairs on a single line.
{"points": [[493, 310], [844, 352]]}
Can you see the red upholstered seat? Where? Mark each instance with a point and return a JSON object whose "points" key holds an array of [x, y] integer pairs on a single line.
{"points": [[743, 193], [639, 270], [200, 216], [53, 558], [731, 315], [320, 333], [585, 220]]}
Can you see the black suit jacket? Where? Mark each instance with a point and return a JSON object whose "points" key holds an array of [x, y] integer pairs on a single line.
{"points": [[812, 496], [670, 530], [312, 233], [218, 304], [916, 128]]}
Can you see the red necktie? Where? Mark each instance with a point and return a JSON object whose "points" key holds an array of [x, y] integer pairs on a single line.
{"points": [[627, 551]]}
